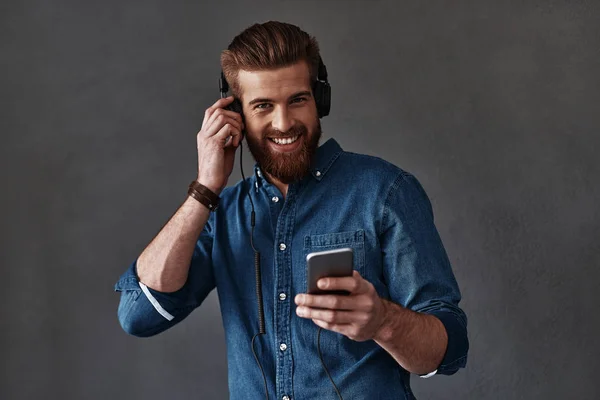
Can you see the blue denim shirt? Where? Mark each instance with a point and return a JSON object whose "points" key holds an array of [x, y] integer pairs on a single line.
{"points": [[347, 200]]}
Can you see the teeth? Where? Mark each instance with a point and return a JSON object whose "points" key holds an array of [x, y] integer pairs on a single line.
{"points": [[286, 141]]}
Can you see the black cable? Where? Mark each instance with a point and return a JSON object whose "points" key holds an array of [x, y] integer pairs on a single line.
{"points": [[259, 366], [323, 363], [261, 311]]}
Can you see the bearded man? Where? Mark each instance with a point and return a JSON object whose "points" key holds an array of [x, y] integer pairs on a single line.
{"points": [[400, 314]]}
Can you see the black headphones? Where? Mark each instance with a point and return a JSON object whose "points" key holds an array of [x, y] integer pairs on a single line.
{"points": [[321, 92]]}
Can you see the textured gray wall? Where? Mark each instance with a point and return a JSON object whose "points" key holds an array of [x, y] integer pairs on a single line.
{"points": [[493, 105]]}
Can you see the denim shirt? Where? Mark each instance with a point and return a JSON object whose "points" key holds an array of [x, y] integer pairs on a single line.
{"points": [[347, 200]]}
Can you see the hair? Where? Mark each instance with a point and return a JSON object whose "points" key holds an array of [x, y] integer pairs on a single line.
{"points": [[268, 46]]}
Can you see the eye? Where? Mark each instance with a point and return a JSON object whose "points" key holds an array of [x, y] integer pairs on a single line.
{"points": [[299, 100], [262, 106]]}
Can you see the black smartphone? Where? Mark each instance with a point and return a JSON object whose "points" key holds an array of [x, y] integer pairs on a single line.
{"points": [[320, 264]]}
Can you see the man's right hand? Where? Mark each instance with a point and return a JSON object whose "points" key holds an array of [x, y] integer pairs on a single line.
{"points": [[216, 154]]}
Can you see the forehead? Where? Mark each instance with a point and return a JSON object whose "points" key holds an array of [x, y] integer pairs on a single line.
{"points": [[274, 84]]}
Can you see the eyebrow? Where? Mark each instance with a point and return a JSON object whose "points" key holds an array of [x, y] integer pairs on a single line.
{"points": [[266, 100]]}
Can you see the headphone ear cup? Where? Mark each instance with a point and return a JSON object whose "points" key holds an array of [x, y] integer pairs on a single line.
{"points": [[236, 106], [322, 93]]}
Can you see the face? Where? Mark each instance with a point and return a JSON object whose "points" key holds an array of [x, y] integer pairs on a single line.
{"points": [[282, 126]]}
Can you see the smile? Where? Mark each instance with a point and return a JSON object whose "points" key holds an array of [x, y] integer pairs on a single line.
{"points": [[285, 141]]}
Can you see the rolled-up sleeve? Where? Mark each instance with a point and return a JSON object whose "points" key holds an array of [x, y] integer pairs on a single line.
{"points": [[143, 311], [417, 269]]}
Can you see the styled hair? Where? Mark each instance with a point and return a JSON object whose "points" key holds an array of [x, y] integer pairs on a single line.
{"points": [[269, 46]]}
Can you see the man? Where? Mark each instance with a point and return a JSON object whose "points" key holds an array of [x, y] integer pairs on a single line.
{"points": [[402, 314]]}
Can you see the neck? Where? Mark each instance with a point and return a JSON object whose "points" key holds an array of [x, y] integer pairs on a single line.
{"points": [[283, 187]]}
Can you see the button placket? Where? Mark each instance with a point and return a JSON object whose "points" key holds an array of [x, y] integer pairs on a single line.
{"points": [[283, 224]]}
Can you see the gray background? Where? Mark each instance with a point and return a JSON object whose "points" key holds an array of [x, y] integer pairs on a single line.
{"points": [[494, 106]]}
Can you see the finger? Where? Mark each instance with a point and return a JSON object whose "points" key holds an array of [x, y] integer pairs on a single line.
{"points": [[232, 114], [226, 131], [331, 316], [330, 301], [231, 140], [221, 115], [223, 102], [207, 113], [239, 138], [354, 284], [211, 113], [221, 118], [339, 328], [219, 123]]}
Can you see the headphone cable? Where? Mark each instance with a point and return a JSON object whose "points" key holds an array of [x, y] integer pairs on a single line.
{"points": [[323, 363], [261, 312]]}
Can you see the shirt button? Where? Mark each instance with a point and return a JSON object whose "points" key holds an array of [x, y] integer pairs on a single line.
{"points": [[275, 199], [282, 246], [282, 346], [285, 398], [318, 173], [282, 296]]}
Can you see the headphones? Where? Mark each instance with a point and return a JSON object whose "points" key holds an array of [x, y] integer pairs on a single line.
{"points": [[321, 92]]}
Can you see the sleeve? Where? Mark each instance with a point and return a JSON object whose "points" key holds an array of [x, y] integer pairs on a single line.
{"points": [[417, 269], [144, 312]]}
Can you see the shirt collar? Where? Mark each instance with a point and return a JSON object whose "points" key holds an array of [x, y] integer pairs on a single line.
{"points": [[324, 158]]}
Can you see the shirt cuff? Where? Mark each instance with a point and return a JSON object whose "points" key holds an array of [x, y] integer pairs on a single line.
{"points": [[458, 343], [155, 302], [160, 301], [128, 280]]}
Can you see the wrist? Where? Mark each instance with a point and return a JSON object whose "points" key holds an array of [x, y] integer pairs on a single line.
{"points": [[213, 188], [384, 332], [397, 322], [204, 195]]}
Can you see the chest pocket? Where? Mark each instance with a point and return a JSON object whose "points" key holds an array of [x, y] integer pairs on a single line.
{"points": [[336, 240]]}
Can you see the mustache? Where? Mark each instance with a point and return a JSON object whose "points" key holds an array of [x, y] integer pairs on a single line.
{"points": [[293, 131]]}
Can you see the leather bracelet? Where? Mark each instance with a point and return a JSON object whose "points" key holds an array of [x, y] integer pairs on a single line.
{"points": [[200, 188], [202, 199], [204, 195]]}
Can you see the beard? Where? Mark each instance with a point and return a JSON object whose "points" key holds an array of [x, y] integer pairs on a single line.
{"points": [[286, 167]]}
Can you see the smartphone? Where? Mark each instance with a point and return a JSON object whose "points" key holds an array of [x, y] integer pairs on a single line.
{"points": [[338, 262]]}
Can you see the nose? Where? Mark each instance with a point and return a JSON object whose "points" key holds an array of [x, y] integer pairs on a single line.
{"points": [[282, 120]]}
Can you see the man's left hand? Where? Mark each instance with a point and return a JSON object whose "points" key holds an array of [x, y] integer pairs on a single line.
{"points": [[358, 315]]}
